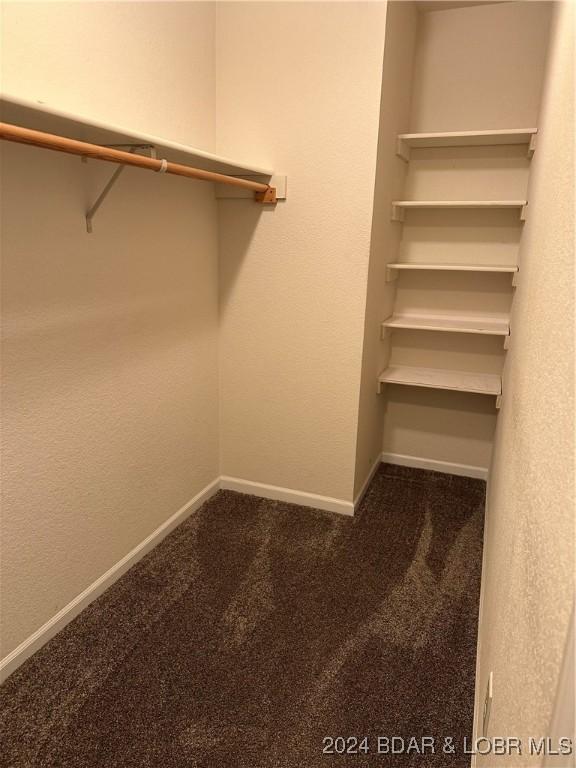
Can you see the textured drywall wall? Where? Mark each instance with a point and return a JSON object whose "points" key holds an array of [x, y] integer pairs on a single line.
{"points": [[145, 65], [399, 49], [302, 80], [110, 339], [480, 67], [476, 67], [529, 548]]}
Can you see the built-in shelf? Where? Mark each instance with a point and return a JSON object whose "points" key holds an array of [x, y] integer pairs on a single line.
{"points": [[454, 267], [394, 268], [32, 116], [436, 378], [406, 141], [399, 207], [44, 117], [487, 326]]}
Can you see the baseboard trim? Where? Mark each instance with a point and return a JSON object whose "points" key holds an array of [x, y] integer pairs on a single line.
{"points": [[47, 631], [278, 493], [366, 483], [451, 468], [480, 682]]}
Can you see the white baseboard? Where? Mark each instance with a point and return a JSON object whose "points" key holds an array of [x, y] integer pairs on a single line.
{"points": [[287, 494], [480, 682], [47, 631], [451, 468], [367, 482]]}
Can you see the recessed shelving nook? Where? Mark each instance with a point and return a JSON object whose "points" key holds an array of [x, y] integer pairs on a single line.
{"points": [[478, 320]]}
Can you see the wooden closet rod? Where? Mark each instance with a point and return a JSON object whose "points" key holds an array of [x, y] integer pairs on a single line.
{"points": [[264, 193]]}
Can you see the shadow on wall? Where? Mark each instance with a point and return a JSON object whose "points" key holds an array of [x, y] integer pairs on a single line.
{"points": [[436, 412], [480, 228], [461, 351], [466, 172], [238, 221], [459, 289]]}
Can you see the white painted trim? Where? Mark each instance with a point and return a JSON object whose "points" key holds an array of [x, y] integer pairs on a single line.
{"points": [[448, 467], [51, 628], [287, 494], [563, 715], [465, 470], [367, 482], [479, 683], [47, 631], [207, 159]]}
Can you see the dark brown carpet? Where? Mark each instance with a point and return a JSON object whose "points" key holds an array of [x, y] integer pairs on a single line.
{"points": [[257, 628]]}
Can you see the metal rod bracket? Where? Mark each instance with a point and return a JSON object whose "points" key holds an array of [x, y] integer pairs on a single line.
{"points": [[112, 181]]}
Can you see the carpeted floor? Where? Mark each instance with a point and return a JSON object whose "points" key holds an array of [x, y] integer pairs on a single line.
{"points": [[258, 628]]}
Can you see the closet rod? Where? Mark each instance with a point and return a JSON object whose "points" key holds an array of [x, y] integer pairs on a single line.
{"points": [[264, 192]]}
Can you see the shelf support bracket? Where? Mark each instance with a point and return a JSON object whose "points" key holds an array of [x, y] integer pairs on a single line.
{"points": [[524, 212], [498, 401], [403, 150], [507, 341], [532, 145], [385, 331], [515, 279], [397, 213], [391, 275], [112, 181]]}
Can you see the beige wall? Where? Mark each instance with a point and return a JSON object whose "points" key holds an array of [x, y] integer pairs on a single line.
{"points": [[401, 26], [146, 65], [529, 547], [475, 68], [110, 357], [480, 67], [302, 80], [110, 339], [110, 350]]}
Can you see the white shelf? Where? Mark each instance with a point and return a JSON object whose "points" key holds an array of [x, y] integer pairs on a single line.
{"points": [[406, 141], [43, 117], [395, 267], [399, 207], [436, 378], [455, 267], [486, 326]]}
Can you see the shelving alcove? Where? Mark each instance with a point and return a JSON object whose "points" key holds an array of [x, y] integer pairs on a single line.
{"points": [[487, 324]]}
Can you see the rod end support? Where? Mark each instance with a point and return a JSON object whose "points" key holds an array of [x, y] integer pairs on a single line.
{"points": [[267, 197]]}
